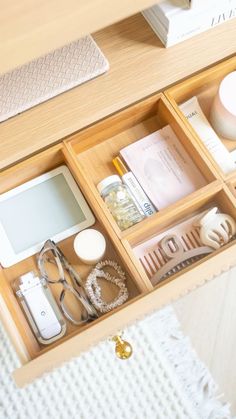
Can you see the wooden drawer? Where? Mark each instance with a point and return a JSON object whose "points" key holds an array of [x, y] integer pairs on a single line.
{"points": [[204, 86], [232, 185], [88, 155]]}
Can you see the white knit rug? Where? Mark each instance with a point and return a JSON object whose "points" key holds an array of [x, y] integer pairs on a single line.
{"points": [[163, 379]]}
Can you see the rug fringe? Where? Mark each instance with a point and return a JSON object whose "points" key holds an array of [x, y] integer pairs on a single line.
{"points": [[193, 374]]}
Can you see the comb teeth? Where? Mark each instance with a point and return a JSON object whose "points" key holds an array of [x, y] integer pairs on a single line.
{"points": [[182, 266], [150, 254], [154, 258]]}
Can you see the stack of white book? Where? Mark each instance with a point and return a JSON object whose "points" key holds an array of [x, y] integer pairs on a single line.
{"points": [[174, 21]]}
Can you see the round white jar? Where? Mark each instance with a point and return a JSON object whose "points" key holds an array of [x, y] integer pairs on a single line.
{"points": [[223, 112], [90, 246]]}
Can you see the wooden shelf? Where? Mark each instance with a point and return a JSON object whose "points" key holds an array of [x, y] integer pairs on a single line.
{"points": [[30, 28], [140, 66]]}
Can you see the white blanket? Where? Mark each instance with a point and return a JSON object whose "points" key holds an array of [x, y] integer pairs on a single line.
{"points": [[164, 379]]}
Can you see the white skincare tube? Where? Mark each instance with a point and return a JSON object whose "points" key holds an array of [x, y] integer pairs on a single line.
{"points": [[193, 112], [136, 190]]}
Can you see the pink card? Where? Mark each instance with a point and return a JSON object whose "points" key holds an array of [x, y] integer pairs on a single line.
{"points": [[163, 167]]}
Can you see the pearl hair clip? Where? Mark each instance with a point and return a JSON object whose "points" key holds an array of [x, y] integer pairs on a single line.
{"points": [[216, 229], [94, 290]]}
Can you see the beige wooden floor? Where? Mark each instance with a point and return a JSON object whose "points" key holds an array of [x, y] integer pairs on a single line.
{"points": [[208, 317]]}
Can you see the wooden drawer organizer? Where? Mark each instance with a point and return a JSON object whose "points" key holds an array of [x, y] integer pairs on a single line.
{"points": [[232, 185], [88, 155], [204, 86]]}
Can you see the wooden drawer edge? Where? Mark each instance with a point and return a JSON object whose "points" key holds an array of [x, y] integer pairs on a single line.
{"points": [[199, 81], [225, 64], [217, 170], [129, 314]]}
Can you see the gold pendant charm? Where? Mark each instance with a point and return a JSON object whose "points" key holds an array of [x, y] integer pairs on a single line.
{"points": [[123, 349]]}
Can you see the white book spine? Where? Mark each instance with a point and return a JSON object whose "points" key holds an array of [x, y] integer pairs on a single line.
{"points": [[208, 19], [214, 20], [203, 22], [187, 16]]}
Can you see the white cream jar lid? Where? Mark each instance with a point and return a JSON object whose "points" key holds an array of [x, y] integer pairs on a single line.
{"points": [[227, 93], [223, 112], [90, 246]]}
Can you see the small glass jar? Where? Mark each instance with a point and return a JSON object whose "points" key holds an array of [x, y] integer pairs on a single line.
{"points": [[120, 202]]}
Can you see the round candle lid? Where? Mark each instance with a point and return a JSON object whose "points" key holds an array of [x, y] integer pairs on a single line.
{"points": [[227, 93], [90, 245]]}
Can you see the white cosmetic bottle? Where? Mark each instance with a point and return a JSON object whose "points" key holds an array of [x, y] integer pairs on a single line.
{"points": [[193, 112], [136, 190]]}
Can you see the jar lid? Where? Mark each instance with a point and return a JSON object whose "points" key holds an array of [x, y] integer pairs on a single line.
{"points": [[227, 93], [90, 246], [108, 181]]}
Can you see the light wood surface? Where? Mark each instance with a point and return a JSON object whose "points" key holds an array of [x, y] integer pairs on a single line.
{"points": [[140, 65], [208, 317], [31, 28], [232, 186]]}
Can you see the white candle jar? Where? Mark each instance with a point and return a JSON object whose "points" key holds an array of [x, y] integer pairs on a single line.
{"points": [[223, 112]]}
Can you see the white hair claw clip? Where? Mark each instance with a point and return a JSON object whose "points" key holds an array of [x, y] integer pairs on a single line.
{"points": [[216, 229]]}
